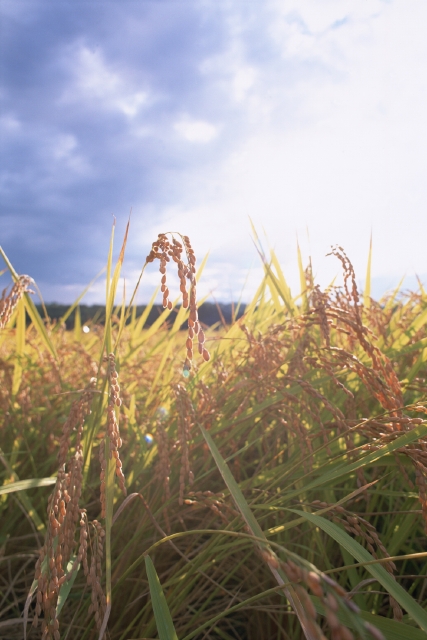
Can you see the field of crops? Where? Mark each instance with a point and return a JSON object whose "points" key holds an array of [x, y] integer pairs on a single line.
{"points": [[259, 480]]}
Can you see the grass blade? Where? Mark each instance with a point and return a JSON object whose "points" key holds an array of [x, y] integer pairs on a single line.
{"points": [[234, 488], [32, 310], [303, 284], [69, 311], [416, 612], [22, 497], [256, 531], [67, 586], [23, 485], [345, 469], [392, 629], [161, 610], [77, 325], [367, 291], [38, 323], [111, 289], [20, 347]]}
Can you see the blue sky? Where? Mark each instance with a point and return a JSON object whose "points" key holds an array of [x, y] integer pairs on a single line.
{"points": [[307, 116]]}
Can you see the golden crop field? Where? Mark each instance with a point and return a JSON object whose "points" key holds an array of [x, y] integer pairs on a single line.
{"points": [[260, 480]]}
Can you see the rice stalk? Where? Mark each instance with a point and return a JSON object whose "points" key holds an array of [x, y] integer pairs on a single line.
{"points": [[316, 405]]}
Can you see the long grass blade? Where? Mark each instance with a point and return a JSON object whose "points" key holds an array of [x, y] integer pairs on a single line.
{"points": [[77, 325], [302, 280], [111, 289], [39, 325], [344, 469], [68, 584], [416, 612], [162, 614], [367, 291], [32, 310], [22, 496], [70, 310], [23, 485], [256, 531], [20, 347], [391, 629]]}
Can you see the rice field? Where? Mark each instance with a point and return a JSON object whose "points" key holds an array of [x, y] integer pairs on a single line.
{"points": [[263, 479]]}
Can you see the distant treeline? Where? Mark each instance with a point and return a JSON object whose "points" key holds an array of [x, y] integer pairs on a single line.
{"points": [[209, 313]]}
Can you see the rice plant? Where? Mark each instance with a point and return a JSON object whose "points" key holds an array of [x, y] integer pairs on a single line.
{"points": [[274, 486]]}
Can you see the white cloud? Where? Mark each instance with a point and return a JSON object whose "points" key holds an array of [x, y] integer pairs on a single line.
{"points": [[341, 150], [317, 110], [243, 80], [132, 104], [97, 84], [64, 149], [196, 130]]}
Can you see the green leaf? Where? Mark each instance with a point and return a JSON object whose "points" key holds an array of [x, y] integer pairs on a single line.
{"points": [[233, 487], [31, 310], [20, 347], [161, 610], [38, 323], [77, 325], [303, 284], [367, 292], [392, 629], [278, 282], [23, 485], [111, 289], [256, 531], [345, 469], [66, 587], [144, 315], [22, 497], [70, 310], [416, 612]]}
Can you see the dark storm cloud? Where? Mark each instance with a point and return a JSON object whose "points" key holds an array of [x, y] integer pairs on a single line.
{"points": [[71, 153]]}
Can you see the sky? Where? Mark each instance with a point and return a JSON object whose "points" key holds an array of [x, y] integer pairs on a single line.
{"points": [[307, 117]]}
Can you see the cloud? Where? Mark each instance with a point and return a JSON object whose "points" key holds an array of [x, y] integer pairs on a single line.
{"points": [[298, 114], [97, 85], [346, 161], [195, 130]]}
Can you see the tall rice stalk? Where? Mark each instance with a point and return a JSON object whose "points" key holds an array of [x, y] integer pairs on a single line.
{"points": [[286, 465]]}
